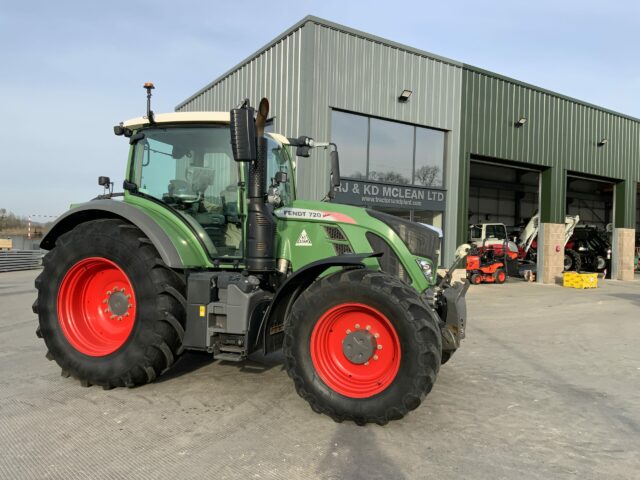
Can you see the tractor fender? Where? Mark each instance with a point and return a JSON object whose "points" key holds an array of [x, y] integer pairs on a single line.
{"points": [[272, 324], [97, 209]]}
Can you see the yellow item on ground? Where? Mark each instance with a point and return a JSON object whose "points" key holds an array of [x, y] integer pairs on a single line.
{"points": [[580, 280]]}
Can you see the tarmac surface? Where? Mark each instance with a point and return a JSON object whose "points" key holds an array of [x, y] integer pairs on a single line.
{"points": [[547, 385]]}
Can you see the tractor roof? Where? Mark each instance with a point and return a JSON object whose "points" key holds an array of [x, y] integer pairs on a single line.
{"points": [[179, 117], [193, 117]]}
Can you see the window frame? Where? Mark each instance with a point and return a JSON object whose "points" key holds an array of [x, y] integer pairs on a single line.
{"points": [[415, 126]]}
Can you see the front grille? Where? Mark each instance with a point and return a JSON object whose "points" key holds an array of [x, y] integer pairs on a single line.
{"points": [[389, 262], [342, 248], [334, 233], [420, 240]]}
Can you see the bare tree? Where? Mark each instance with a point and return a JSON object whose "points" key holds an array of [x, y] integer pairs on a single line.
{"points": [[427, 175], [389, 177]]}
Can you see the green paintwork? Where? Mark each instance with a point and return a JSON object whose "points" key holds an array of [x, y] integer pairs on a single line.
{"points": [[189, 248], [290, 230]]}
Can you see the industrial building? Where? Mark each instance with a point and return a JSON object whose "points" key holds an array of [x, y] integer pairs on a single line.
{"points": [[437, 141]]}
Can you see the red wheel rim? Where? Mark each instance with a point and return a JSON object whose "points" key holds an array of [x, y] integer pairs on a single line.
{"points": [[96, 306], [337, 326], [502, 277], [476, 279]]}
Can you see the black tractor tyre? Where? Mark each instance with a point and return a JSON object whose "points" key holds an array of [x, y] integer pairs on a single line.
{"points": [[572, 261], [155, 338], [418, 337]]}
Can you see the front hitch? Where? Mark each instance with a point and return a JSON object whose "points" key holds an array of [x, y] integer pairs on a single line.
{"points": [[455, 321]]}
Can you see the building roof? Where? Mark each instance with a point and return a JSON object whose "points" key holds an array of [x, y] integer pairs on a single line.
{"points": [[399, 46]]}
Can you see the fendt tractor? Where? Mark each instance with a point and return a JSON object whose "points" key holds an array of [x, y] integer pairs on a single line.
{"points": [[208, 249]]}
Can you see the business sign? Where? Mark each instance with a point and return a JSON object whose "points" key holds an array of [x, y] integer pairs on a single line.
{"points": [[374, 194]]}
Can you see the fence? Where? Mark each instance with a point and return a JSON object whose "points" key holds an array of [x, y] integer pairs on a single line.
{"points": [[11, 260]]}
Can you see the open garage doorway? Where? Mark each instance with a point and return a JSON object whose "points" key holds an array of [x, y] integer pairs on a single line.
{"points": [[591, 199], [502, 193]]}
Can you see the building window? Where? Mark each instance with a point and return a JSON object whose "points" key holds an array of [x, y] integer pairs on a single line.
{"points": [[351, 134], [386, 151]]}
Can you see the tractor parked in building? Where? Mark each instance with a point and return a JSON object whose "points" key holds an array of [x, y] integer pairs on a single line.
{"points": [[208, 249]]}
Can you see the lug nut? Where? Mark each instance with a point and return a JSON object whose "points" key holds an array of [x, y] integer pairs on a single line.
{"points": [[112, 317], [368, 327], [122, 290], [128, 296], [379, 347], [377, 335], [357, 326], [375, 357], [104, 301], [129, 306], [126, 314], [109, 292], [348, 331], [366, 363], [120, 318], [106, 310]]}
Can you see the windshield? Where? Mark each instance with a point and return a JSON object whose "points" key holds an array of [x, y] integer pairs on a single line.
{"points": [[192, 169]]}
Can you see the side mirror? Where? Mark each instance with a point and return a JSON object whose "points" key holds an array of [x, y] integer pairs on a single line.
{"points": [[243, 134], [335, 168]]}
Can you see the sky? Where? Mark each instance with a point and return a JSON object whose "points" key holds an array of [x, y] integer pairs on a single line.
{"points": [[70, 70]]}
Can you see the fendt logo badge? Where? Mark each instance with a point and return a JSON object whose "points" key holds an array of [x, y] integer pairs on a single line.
{"points": [[303, 240], [306, 214]]}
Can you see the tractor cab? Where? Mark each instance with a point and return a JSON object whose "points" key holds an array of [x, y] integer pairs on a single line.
{"points": [[184, 161]]}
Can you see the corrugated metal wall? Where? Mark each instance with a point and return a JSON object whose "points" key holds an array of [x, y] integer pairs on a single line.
{"points": [[358, 74], [559, 133]]}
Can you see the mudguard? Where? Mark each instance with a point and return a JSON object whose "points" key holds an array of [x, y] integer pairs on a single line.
{"points": [[97, 209], [272, 325]]}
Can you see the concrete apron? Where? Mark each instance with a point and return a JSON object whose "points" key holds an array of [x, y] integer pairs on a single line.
{"points": [[551, 253]]}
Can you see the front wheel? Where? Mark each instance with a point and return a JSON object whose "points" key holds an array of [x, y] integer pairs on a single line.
{"points": [[360, 345]]}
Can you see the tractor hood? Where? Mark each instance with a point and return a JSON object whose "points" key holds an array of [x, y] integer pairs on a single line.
{"points": [[309, 231]]}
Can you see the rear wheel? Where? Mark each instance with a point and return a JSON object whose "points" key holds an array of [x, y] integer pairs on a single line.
{"points": [[499, 275], [360, 345], [110, 311]]}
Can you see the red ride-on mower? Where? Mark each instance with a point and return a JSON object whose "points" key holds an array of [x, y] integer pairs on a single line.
{"points": [[484, 267]]}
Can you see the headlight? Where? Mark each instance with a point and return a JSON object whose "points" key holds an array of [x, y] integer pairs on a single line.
{"points": [[426, 267]]}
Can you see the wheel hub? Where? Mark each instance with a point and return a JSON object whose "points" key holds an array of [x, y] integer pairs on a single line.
{"points": [[359, 346], [118, 302]]}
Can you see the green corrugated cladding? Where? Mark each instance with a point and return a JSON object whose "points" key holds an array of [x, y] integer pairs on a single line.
{"points": [[561, 135]]}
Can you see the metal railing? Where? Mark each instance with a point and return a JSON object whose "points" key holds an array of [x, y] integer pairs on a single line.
{"points": [[11, 260]]}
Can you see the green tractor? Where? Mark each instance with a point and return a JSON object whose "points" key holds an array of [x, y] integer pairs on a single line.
{"points": [[208, 249]]}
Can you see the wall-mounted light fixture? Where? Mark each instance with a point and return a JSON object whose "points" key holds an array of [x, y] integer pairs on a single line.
{"points": [[603, 142], [404, 96], [520, 122]]}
